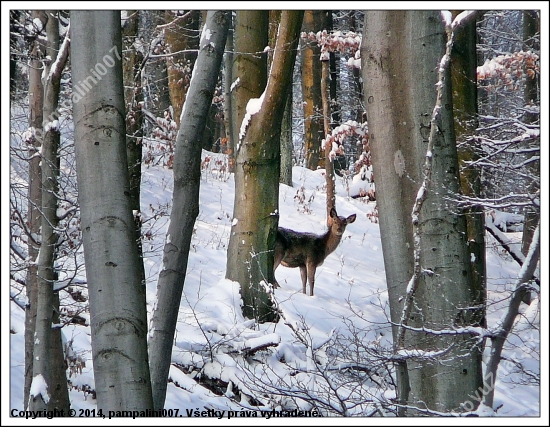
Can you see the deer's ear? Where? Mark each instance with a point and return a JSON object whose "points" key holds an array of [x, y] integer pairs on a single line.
{"points": [[333, 213], [351, 218]]}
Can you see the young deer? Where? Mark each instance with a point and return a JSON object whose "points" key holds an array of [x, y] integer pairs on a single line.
{"points": [[307, 250]]}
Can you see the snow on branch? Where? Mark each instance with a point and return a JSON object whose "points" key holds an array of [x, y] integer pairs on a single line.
{"points": [[423, 190], [61, 59], [461, 20], [509, 69], [338, 41], [340, 133]]}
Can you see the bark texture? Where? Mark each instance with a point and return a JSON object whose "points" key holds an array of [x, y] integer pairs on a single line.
{"points": [[185, 208], [118, 316], [255, 212], [401, 56]]}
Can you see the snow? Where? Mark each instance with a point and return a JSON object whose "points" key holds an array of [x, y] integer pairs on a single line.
{"points": [[447, 17], [51, 126], [235, 84], [39, 387], [213, 337], [206, 34], [461, 17], [29, 135], [252, 107]]}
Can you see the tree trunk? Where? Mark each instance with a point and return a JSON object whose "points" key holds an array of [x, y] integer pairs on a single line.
{"points": [[334, 66], [117, 294], [250, 251], [287, 145], [181, 36], [329, 165], [230, 121], [531, 28], [36, 102], [158, 100], [400, 74], [286, 127], [311, 90], [49, 363], [187, 161], [505, 327], [464, 83], [249, 63], [133, 97]]}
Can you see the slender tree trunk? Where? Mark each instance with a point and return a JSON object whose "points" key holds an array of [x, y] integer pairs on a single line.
{"points": [[531, 28], [249, 63], [157, 85], [133, 97], [311, 91], [250, 251], [464, 83], [36, 103], [49, 363], [287, 145], [118, 316], [185, 207], [286, 126], [329, 164], [230, 121], [182, 36], [334, 67], [505, 327]]}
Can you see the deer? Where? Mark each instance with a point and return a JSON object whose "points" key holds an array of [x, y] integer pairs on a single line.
{"points": [[307, 250]]}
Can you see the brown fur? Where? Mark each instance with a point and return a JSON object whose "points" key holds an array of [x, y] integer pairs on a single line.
{"points": [[307, 250]]}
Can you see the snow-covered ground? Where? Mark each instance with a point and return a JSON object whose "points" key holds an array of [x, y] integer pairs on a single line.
{"points": [[350, 302]]}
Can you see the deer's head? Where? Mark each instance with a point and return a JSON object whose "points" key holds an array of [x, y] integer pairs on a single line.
{"points": [[338, 224]]}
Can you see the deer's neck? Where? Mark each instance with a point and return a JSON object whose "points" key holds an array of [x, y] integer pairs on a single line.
{"points": [[331, 240]]}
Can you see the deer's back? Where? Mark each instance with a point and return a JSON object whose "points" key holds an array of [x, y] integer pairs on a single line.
{"points": [[299, 248]]}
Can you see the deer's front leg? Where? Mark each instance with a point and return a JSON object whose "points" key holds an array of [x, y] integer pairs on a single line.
{"points": [[303, 273]]}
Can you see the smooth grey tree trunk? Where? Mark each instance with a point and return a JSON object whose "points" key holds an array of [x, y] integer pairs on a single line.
{"points": [[48, 359], [36, 102], [185, 208], [118, 316], [401, 55]]}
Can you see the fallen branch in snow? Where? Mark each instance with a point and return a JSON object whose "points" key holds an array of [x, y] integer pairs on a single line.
{"points": [[507, 244], [253, 345]]}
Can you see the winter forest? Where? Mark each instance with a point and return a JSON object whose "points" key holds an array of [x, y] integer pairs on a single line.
{"points": [[274, 213]]}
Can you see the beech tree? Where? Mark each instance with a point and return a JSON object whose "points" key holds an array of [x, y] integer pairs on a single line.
{"points": [[314, 20], [133, 98], [257, 170], [428, 277], [117, 293], [34, 194], [465, 107], [182, 41], [187, 163], [48, 361]]}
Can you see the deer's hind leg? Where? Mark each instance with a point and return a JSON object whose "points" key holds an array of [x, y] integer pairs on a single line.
{"points": [[311, 269]]}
